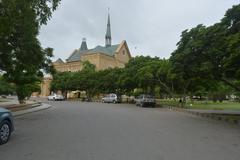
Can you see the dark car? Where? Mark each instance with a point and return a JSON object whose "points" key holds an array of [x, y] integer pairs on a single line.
{"points": [[145, 100], [6, 125]]}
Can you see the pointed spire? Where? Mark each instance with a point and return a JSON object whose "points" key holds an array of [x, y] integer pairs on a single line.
{"points": [[108, 37], [84, 45]]}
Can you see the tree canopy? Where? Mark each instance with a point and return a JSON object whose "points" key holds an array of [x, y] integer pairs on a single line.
{"points": [[21, 55], [210, 53]]}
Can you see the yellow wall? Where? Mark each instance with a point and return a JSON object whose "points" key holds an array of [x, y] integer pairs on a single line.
{"points": [[123, 55], [92, 58], [45, 87], [68, 67], [106, 62]]}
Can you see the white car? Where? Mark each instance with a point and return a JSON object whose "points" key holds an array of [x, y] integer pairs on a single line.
{"points": [[55, 97]]}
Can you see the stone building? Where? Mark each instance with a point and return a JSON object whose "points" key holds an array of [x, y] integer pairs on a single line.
{"points": [[103, 57]]}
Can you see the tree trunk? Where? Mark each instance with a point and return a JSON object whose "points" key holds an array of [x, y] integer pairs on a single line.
{"points": [[185, 87], [166, 87]]}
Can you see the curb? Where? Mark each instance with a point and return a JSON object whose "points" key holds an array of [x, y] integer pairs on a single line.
{"points": [[12, 106], [44, 106], [218, 117]]}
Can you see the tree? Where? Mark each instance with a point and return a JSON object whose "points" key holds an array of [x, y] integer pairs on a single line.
{"points": [[62, 81], [129, 79], [187, 62], [5, 87], [21, 54], [109, 81], [210, 53], [88, 79], [84, 80], [26, 90]]}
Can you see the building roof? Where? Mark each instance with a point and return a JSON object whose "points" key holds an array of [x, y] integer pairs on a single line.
{"points": [[59, 60], [108, 37], [84, 45], [110, 51], [108, 32], [75, 56]]}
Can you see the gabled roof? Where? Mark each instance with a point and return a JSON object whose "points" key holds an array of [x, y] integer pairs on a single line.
{"points": [[59, 60], [84, 45], [76, 55]]}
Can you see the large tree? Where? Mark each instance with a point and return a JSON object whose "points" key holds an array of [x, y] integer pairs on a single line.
{"points": [[5, 87], [210, 53], [21, 55]]}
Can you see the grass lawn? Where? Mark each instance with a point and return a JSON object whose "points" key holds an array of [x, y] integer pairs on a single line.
{"points": [[226, 105]]}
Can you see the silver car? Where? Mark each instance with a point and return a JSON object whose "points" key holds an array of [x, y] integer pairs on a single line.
{"points": [[145, 100], [111, 98], [6, 125]]}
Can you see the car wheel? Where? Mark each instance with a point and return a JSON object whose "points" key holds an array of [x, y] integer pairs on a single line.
{"points": [[5, 132], [114, 101]]}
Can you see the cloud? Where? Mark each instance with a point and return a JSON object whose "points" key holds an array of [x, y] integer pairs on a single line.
{"points": [[151, 27]]}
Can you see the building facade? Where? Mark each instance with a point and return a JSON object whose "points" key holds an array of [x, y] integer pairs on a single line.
{"points": [[103, 57]]}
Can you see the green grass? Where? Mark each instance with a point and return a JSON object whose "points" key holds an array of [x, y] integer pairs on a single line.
{"points": [[209, 105]]}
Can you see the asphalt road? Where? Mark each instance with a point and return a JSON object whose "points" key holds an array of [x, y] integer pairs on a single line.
{"points": [[96, 131]]}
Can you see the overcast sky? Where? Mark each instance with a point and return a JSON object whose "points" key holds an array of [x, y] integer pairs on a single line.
{"points": [[150, 27]]}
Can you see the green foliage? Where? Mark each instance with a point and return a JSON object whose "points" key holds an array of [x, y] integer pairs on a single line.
{"points": [[21, 54], [142, 75], [5, 87], [62, 81], [84, 80], [25, 90], [210, 53], [141, 72]]}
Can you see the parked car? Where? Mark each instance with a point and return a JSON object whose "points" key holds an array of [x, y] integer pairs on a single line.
{"points": [[6, 125], [111, 98], [55, 97], [145, 100]]}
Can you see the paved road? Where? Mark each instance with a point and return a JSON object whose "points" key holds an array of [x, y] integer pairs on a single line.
{"points": [[95, 131]]}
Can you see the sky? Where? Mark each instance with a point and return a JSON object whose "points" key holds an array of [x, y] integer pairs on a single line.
{"points": [[150, 27]]}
